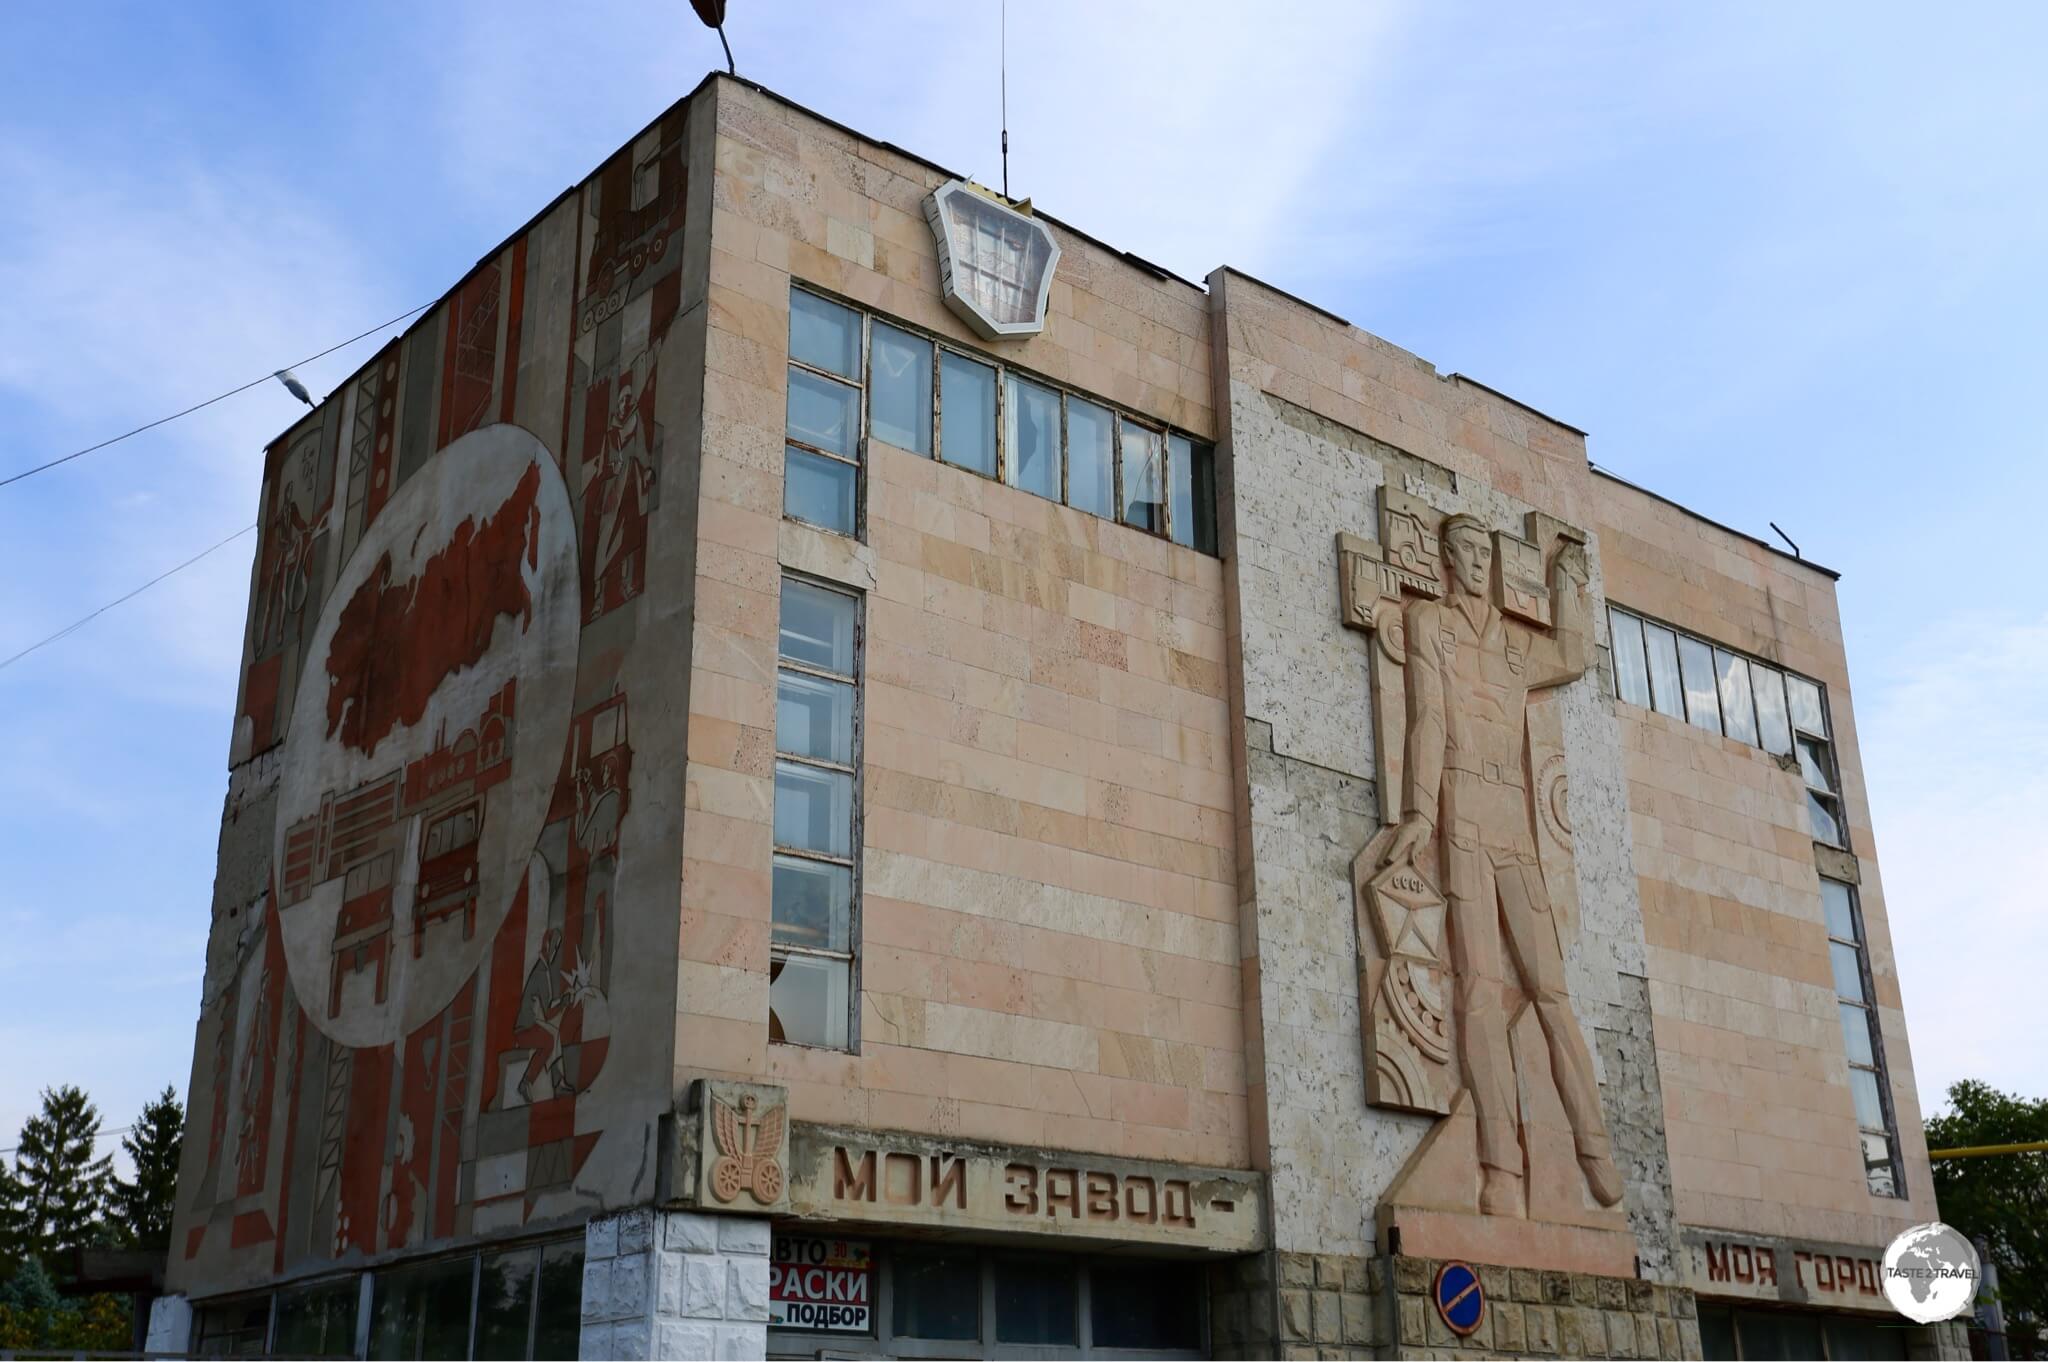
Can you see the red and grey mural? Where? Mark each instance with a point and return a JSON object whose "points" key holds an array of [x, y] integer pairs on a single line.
{"points": [[442, 868]]}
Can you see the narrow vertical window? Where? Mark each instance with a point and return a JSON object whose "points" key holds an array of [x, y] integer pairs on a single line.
{"points": [[1091, 458], [1667, 692], [1696, 665], [1811, 743], [1773, 722], [1631, 673], [900, 389], [967, 413], [817, 728], [1738, 713], [1191, 492], [1144, 478], [1861, 1038], [1031, 437], [821, 469]]}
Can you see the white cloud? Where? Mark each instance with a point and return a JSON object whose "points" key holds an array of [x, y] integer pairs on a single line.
{"points": [[1956, 755]]}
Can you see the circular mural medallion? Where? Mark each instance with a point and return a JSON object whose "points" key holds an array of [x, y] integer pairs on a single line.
{"points": [[426, 736], [1459, 1298]]}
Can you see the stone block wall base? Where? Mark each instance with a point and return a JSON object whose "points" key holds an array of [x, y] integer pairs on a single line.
{"points": [[1508, 1241], [1543, 1313], [1296, 1305], [674, 1284], [170, 1325]]}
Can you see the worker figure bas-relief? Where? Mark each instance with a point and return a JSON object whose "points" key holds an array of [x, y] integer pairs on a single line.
{"points": [[1466, 898]]}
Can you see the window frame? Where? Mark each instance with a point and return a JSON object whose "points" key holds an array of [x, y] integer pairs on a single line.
{"points": [[1004, 370], [1877, 1067], [365, 1282], [1831, 799], [852, 861], [883, 1341], [859, 460]]}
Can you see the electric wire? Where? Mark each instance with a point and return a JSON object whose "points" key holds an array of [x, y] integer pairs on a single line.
{"points": [[197, 406], [78, 624], [97, 1137]]}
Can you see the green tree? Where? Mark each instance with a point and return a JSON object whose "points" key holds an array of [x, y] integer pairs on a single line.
{"points": [[13, 1221], [140, 1208], [66, 1187], [2000, 1199]]}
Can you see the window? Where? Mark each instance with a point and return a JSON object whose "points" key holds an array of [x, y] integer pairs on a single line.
{"points": [[900, 389], [1032, 436], [520, 1301], [822, 457], [817, 728], [1861, 1038], [959, 1300], [1770, 1333], [1725, 692], [854, 378]]}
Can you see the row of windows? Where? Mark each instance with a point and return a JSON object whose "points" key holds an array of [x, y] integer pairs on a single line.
{"points": [[1745, 1333], [1850, 960], [854, 378], [518, 1302], [1724, 692], [817, 778], [963, 1302]]}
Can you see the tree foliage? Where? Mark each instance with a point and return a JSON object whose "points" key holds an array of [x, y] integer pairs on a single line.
{"points": [[140, 1208], [65, 1187], [1999, 1199]]}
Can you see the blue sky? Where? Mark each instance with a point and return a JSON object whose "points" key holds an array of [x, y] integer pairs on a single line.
{"points": [[1784, 262]]}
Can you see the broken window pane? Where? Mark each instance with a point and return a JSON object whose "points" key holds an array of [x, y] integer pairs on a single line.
{"points": [[1804, 699], [1813, 764], [824, 334], [813, 903], [1631, 672], [1201, 533], [1666, 693], [1773, 721], [1091, 458], [900, 389], [967, 413], [1825, 820], [1144, 479], [1032, 438], [1696, 662], [1878, 1168], [1738, 715], [807, 1000]]}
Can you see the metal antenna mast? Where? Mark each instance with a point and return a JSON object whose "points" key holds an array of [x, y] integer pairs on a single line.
{"points": [[1003, 47]]}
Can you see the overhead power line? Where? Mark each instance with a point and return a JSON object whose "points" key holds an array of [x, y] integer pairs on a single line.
{"points": [[78, 624], [197, 406]]}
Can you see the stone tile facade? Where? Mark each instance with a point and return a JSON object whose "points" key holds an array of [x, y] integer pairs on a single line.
{"points": [[1758, 1116], [670, 1284], [1048, 922]]}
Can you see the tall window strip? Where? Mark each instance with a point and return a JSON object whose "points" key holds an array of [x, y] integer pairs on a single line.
{"points": [[817, 792], [1730, 693], [822, 453], [1861, 1037], [855, 377]]}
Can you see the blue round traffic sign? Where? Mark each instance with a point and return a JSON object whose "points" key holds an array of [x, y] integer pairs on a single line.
{"points": [[1459, 1297]]}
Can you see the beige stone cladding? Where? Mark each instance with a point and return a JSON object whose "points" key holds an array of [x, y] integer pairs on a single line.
{"points": [[1757, 1104], [1048, 924], [1319, 417]]}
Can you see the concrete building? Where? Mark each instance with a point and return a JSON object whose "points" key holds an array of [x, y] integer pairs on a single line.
{"points": [[828, 765]]}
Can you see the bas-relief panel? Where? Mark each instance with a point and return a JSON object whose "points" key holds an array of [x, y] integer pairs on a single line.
{"points": [[1301, 478], [406, 1025]]}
